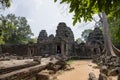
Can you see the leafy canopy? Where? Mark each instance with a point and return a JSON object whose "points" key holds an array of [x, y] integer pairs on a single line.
{"points": [[14, 30], [5, 3], [86, 8], [115, 31]]}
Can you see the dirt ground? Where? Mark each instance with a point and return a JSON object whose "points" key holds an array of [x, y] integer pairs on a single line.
{"points": [[81, 71]]}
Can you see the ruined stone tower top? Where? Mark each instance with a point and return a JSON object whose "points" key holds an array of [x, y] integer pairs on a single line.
{"points": [[64, 32], [42, 36], [95, 36], [61, 24]]}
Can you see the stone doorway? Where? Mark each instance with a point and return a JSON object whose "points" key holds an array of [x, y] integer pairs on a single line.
{"points": [[58, 49]]}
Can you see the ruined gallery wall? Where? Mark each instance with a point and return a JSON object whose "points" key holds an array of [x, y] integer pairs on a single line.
{"points": [[20, 49]]}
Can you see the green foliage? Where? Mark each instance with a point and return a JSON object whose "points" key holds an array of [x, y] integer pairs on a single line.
{"points": [[1, 40], [85, 34], [5, 3], [33, 40], [86, 8], [70, 62], [79, 40], [15, 30], [115, 30]]}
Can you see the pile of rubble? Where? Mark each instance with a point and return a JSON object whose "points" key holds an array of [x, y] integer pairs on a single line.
{"points": [[109, 66], [38, 69]]}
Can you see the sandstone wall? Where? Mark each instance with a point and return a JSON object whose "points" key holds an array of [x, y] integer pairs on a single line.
{"points": [[15, 49]]}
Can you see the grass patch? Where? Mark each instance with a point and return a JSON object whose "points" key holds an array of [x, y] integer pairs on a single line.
{"points": [[70, 61]]}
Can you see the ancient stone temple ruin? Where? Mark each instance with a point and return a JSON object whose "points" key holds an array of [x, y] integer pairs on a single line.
{"points": [[93, 46], [95, 41], [62, 44]]}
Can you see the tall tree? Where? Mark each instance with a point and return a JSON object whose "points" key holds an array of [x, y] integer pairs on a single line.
{"points": [[3, 4], [86, 33], [86, 8], [15, 29]]}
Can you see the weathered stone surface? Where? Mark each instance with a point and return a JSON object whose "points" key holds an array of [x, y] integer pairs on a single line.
{"points": [[64, 32], [95, 41], [92, 76], [28, 72], [102, 77], [62, 43], [93, 46], [104, 70], [114, 72], [51, 37], [14, 68], [42, 36], [45, 75], [37, 59], [15, 49]]}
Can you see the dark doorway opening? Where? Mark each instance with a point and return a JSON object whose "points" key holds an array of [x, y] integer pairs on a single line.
{"points": [[95, 50], [58, 49]]}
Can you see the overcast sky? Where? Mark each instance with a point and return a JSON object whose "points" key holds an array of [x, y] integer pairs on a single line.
{"points": [[45, 14]]}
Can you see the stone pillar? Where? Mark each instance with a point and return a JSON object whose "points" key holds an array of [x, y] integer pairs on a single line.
{"points": [[66, 50], [29, 51], [62, 49], [53, 49], [33, 51]]}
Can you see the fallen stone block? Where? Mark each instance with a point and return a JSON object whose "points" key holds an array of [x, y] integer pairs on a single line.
{"points": [[14, 68], [92, 76], [45, 75], [102, 77]]}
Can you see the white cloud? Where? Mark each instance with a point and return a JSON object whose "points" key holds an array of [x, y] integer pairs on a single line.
{"points": [[38, 4], [30, 21], [45, 16]]}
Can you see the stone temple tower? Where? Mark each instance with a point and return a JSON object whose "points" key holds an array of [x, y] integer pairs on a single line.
{"points": [[62, 43], [42, 36], [66, 35]]}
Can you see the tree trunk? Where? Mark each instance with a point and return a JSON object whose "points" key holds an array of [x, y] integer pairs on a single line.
{"points": [[107, 40]]}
